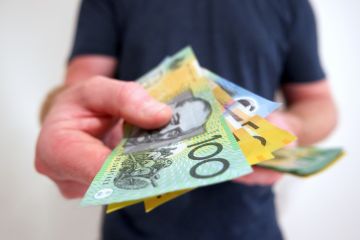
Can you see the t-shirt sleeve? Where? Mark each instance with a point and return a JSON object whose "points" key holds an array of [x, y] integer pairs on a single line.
{"points": [[302, 64], [97, 29]]}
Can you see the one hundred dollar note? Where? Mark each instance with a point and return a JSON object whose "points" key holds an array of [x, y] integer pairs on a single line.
{"points": [[303, 161], [195, 149], [237, 108], [239, 105], [245, 125]]}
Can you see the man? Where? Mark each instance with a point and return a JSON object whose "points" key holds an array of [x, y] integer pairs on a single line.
{"points": [[261, 45]]}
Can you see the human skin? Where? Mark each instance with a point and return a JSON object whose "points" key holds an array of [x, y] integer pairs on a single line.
{"points": [[85, 122], [70, 148]]}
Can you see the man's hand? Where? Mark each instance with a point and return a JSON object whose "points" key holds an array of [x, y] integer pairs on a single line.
{"points": [[262, 176], [70, 149], [310, 115]]}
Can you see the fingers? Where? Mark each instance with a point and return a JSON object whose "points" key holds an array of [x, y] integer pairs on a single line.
{"points": [[128, 100], [68, 188], [66, 154], [278, 119], [284, 121], [260, 176], [71, 189], [113, 137], [69, 148]]}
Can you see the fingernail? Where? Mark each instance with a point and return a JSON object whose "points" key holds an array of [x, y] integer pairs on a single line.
{"points": [[152, 108], [164, 114]]}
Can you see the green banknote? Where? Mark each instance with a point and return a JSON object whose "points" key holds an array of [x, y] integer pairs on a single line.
{"points": [[195, 149], [304, 161], [238, 114]]}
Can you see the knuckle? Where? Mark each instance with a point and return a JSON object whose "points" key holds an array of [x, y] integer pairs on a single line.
{"points": [[53, 149], [134, 86], [69, 190], [128, 89], [42, 147], [92, 84], [134, 94], [39, 167], [131, 94], [97, 79], [67, 194]]}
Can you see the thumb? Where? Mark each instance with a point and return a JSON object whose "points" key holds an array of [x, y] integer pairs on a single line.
{"points": [[128, 100]]}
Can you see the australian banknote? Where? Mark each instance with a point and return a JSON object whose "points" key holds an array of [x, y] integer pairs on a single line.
{"points": [[195, 149], [251, 103], [237, 108], [304, 161], [257, 137], [238, 114]]}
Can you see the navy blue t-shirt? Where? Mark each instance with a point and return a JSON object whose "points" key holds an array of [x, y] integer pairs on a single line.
{"points": [[257, 44]]}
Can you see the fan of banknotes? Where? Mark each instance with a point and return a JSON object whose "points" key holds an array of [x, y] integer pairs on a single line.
{"points": [[217, 132]]}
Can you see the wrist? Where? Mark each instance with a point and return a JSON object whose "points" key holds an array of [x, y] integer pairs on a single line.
{"points": [[49, 100]]}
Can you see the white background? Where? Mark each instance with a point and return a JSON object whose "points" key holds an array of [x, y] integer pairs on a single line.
{"points": [[35, 37]]}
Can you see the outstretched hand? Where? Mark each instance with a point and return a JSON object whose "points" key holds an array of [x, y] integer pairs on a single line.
{"points": [[70, 148]]}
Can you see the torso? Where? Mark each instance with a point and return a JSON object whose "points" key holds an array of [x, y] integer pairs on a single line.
{"points": [[244, 41]]}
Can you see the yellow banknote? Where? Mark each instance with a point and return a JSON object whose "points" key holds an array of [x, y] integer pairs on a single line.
{"points": [[149, 204], [152, 203], [257, 137], [117, 206], [272, 137], [253, 150]]}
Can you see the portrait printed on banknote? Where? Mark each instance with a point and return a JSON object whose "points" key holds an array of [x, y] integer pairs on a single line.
{"points": [[148, 152], [190, 115]]}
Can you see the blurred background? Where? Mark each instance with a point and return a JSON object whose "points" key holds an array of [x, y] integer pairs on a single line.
{"points": [[35, 38]]}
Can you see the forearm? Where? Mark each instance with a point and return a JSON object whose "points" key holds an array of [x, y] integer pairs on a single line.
{"points": [[310, 112], [312, 119], [80, 69], [85, 67]]}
